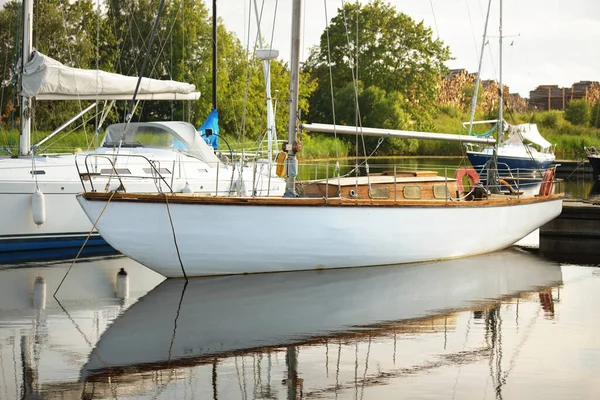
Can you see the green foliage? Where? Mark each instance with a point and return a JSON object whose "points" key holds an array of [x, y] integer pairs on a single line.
{"points": [[552, 119], [578, 112], [595, 115], [468, 91], [64, 30], [116, 39], [393, 53], [67, 143], [9, 24], [450, 111], [317, 146]]}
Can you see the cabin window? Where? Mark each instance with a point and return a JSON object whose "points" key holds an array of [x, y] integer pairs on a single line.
{"points": [[412, 192], [118, 171], [143, 135], [38, 172], [379, 193], [440, 191], [162, 171]]}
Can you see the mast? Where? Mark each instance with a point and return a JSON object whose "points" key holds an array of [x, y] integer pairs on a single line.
{"points": [[501, 99], [266, 55], [291, 147], [25, 136], [214, 54], [493, 177]]}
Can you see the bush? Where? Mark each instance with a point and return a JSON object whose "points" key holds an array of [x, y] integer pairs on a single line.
{"points": [[449, 110], [595, 115], [551, 119], [317, 146], [578, 112]]}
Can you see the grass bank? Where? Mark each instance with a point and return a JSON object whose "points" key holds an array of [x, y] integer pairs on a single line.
{"points": [[570, 139], [62, 143]]}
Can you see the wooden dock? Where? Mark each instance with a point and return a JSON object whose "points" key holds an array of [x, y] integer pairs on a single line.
{"points": [[569, 168], [573, 236]]}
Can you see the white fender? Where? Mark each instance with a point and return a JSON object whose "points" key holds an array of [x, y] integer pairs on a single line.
{"points": [[38, 207], [187, 188]]}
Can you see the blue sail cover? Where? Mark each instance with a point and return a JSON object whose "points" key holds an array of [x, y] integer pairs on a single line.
{"points": [[211, 122]]}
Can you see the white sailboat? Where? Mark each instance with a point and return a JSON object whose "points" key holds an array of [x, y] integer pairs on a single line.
{"points": [[38, 191], [364, 221]]}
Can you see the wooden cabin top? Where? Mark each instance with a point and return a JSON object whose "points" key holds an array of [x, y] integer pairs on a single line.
{"points": [[400, 178]]}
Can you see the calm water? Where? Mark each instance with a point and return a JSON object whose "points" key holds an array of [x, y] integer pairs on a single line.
{"points": [[507, 325]]}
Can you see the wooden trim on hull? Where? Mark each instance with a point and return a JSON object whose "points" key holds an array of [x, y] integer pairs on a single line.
{"points": [[178, 198]]}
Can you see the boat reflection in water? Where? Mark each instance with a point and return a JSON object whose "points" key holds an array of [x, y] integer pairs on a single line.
{"points": [[178, 329]]}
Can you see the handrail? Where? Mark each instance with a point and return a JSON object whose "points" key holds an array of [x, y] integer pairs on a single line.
{"points": [[156, 175]]}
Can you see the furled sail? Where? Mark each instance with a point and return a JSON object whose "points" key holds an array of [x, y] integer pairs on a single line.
{"points": [[47, 79], [518, 133]]}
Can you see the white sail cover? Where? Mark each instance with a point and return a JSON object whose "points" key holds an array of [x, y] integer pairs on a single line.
{"points": [[529, 132], [47, 79]]}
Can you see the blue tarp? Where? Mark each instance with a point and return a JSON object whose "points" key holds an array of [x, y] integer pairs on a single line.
{"points": [[212, 122]]}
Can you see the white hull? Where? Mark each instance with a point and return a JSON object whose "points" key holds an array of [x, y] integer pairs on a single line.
{"points": [[236, 237], [224, 315]]}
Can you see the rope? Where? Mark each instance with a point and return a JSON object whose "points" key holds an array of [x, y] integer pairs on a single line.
{"points": [[175, 237], [337, 156], [471, 25], [486, 134], [137, 86], [83, 245], [437, 32], [355, 85], [62, 9], [242, 133]]}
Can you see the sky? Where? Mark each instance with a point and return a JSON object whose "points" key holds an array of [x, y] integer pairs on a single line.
{"points": [[546, 41]]}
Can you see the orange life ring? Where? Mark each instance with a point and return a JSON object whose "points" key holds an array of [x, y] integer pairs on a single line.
{"points": [[460, 173], [547, 182]]}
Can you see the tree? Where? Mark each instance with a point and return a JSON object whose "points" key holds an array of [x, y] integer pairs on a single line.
{"points": [[63, 30], [9, 25], [116, 39], [595, 115], [578, 112], [393, 52]]}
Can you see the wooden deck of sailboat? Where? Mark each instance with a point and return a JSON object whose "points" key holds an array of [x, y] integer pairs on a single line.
{"points": [[195, 198]]}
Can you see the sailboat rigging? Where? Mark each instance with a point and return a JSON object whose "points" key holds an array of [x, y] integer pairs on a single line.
{"points": [[45, 220], [388, 218], [519, 166]]}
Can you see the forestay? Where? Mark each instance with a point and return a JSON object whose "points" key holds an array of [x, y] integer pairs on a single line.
{"points": [[47, 79]]}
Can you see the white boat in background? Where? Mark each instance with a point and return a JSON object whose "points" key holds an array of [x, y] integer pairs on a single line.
{"points": [[38, 190], [514, 154], [361, 221], [147, 149], [181, 324]]}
